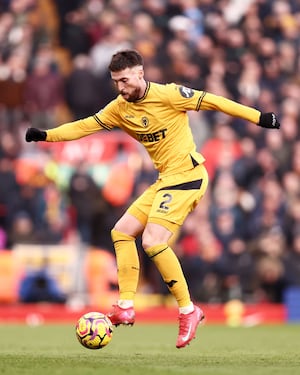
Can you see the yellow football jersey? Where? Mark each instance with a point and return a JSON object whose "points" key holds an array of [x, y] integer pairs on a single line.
{"points": [[159, 121]]}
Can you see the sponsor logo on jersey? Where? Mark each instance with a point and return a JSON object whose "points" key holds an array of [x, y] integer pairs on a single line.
{"points": [[186, 92], [152, 137]]}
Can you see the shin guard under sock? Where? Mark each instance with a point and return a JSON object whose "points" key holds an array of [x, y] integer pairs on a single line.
{"points": [[127, 263], [170, 269]]}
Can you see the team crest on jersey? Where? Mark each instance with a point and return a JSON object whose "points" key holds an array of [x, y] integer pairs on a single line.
{"points": [[186, 92], [145, 121]]}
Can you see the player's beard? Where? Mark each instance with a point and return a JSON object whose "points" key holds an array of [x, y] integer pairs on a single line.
{"points": [[133, 96]]}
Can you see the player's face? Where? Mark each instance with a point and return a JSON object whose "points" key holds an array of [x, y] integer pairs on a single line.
{"points": [[130, 83]]}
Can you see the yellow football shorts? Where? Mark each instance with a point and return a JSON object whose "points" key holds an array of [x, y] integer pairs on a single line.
{"points": [[170, 199]]}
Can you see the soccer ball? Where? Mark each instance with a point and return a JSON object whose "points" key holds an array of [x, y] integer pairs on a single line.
{"points": [[94, 330]]}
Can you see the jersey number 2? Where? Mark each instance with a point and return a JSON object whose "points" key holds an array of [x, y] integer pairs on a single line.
{"points": [[164, 204]]}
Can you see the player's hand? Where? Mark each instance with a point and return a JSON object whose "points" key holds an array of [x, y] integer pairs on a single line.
{"points": [[35, 135], [269, 120]]}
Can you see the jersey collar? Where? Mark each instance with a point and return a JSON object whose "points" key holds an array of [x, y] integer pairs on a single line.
{"points": [[145, 93]]}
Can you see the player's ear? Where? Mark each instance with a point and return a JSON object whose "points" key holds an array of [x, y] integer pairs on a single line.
{"points": [[141, 72]]}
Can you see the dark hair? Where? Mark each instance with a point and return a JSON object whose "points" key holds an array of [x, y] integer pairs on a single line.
{"points": [[125, 59]]}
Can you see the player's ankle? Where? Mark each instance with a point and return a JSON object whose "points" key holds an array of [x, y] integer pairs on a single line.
{"points": [[125, 303], [187, 309]]}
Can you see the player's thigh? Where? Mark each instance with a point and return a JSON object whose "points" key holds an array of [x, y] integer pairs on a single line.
{"points": [[141, 207]]}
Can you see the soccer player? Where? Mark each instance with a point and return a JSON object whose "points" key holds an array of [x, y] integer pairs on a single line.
{"points": [[156, 116]]}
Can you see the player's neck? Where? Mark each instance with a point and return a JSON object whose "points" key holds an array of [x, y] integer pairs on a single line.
{"points": [[143, 89]]}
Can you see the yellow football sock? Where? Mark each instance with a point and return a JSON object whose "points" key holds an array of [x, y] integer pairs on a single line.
{"points": [[170, 269], [127, 263]]}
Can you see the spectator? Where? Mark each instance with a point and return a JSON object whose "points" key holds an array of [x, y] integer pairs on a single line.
{"points": [[270, 208], [118, 37], [82, 91], [268, 252], [270, 280], [40, 286], [292, 262], [10, 199], [222, 147], [91, 209], [199, 251], [43, 92], [245, 168], [22, 230], [236, 268]]}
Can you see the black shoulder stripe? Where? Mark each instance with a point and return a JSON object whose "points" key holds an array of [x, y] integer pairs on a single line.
{"points": [[101, 123], [200, 101]]}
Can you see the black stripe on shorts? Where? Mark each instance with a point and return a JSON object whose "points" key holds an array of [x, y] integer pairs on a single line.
{"points": [[191, 185]]}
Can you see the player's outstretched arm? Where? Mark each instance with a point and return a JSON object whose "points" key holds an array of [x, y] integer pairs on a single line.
{"points": [[66, 132], [232, 108]]}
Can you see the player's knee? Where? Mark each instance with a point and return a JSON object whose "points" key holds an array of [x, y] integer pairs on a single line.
{"points": [[154, 235], [120, 236], [146, 243], [149, 240]]}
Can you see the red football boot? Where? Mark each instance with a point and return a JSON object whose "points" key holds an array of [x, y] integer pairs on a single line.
{"points": [[122, 316], [188, 324]]}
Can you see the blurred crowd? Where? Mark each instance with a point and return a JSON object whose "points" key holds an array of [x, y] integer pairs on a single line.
{"points": [[243, 240]]}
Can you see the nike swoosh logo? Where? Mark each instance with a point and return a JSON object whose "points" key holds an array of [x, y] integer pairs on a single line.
{"points": [[185, 338]]}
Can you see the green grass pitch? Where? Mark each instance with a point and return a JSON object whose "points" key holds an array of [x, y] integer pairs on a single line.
{"points": [[149, 349]]}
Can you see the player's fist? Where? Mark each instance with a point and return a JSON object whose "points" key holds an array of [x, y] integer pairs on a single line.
{"points": [[269, 120], [35, 135]]}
